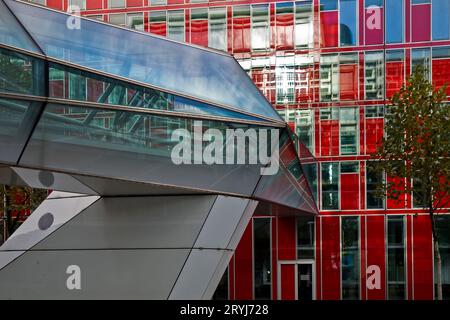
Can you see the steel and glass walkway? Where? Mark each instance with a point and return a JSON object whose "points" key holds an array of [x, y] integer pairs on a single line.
{"points": [[89, 110]]}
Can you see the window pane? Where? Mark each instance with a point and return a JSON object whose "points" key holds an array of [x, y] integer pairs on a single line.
{"points": [[441, 19], [349, 130], [394, 21], [348, 22], [330, 187], [217, 29], [116, 3], [443, 232], [310, 171], [350, 167], [117, 19], [135, 21], [158, 2], [374, 75], [305, 128], [304, 28], [350, 257], [326, 5], [285, 81], [329, 78], [262, 263], [396, 272], [305, 238], [373, 179], [20, 73], [421, 57], [75, 3], [260, 27], [176, 25]]}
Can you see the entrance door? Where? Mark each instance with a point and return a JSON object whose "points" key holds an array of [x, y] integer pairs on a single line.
{"points": [[296, 280]]}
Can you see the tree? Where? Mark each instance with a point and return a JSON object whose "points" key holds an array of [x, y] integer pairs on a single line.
{"points": [[414, 153], [16, 204]]}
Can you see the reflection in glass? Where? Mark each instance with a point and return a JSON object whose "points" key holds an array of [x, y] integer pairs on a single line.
{"points": [[349, 130], [329, 77], [421, 57], [305, 128], [394, 21], [348, 22], [441, 19], [135, 21], [17, 119], [86, 86], [285, 81], [350, 258], [218, 28], [21, 74], [176, 25], [260, 27], [374, 75], [330, 185], [142, 57], [304, 28]]}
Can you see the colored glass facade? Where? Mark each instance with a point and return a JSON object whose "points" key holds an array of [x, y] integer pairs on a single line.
{"points": [[329, 67]]}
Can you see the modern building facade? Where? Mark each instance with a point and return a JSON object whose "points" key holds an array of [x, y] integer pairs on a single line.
{"points": [[329, 67], [152, 167]]}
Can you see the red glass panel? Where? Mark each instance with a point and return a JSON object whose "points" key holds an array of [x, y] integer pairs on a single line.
{"points": [[441, 73], [422, 258], [401, 202], [244, 266], [287, 243], [285, 31], [376, 257], [349, 191], [374, 26], [329, 137], [329, 27], [421, 22], [158, 28], [175, 1], [199, 32], [58, 4], [349, 82], [394, 77], [331, 258], [130, 3], [374, 134], [287, 281]]}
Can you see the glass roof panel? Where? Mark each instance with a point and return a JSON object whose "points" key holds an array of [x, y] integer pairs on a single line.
{"points": [[12, 33], [195, 72]]}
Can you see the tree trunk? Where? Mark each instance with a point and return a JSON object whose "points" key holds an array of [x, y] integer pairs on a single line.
{"points": [[437, 254]]}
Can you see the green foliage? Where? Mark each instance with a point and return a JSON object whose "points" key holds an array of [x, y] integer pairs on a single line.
{"points": [[416, 145]]}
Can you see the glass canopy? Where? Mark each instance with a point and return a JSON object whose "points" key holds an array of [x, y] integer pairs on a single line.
{"points": [[195, 72], [104, 102]]}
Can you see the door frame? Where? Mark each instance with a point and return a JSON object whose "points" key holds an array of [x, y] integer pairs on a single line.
{"points": [[296, 263]]}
